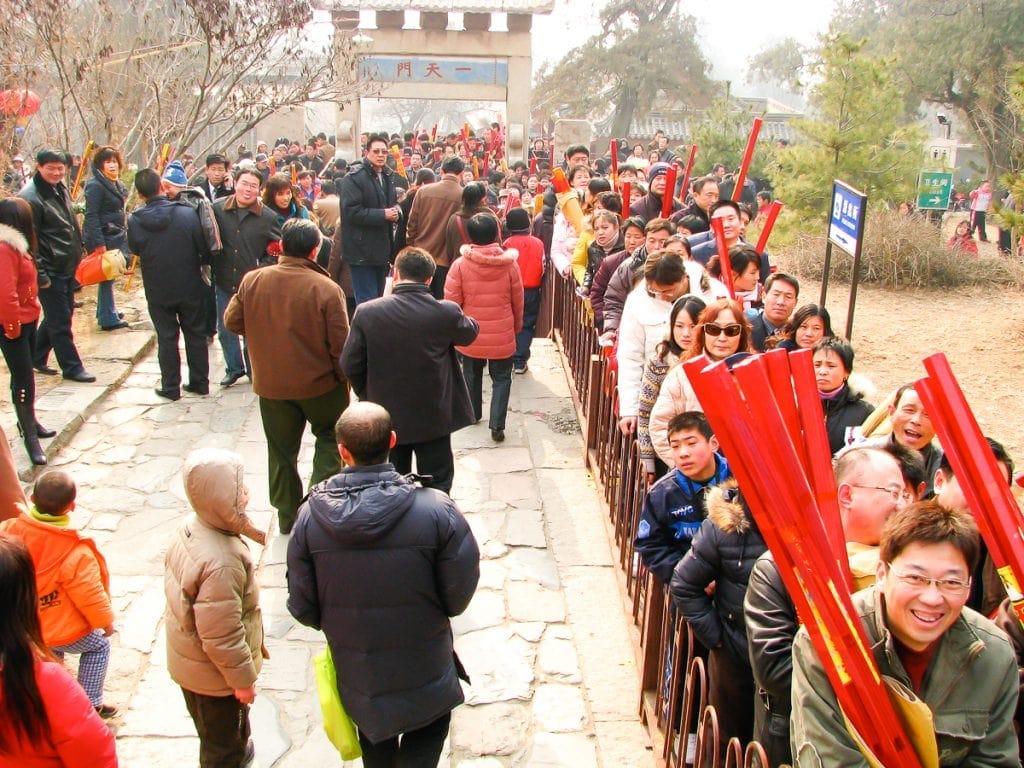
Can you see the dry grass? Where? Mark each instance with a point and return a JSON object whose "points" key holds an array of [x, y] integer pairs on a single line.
{"points": [[902, 252]]}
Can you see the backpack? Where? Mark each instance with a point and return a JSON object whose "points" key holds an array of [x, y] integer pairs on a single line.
{"points": [[198, 202]]}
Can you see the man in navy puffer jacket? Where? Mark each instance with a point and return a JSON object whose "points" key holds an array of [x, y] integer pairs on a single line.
{"points": [[380, 565]]}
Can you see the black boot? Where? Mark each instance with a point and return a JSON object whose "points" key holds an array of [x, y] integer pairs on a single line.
{"points": [[27, 430], [42, 431]]}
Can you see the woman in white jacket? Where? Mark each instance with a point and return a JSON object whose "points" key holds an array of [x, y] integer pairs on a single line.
{"points": [[644, 323]]}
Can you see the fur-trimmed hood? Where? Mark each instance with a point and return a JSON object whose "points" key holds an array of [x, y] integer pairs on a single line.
{"points": [[490, 255], [728, 510], [12, 237]]}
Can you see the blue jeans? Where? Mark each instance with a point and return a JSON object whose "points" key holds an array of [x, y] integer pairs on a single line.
{"points": [[501, 387], [531, 310], [55, 331], [106, 311], [235, 361], [368, 281]]}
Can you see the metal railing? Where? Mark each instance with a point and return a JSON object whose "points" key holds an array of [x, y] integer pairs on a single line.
{"points": [[672, 694]]}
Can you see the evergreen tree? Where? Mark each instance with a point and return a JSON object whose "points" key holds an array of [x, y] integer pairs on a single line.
{"points": [[855, 133]]}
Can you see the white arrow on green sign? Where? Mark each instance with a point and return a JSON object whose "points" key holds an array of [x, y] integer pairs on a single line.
{"points": [[933, 190]]}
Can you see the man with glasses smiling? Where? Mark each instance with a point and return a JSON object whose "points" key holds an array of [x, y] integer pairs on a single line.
{"points": [[369, 213], [869, 489], [921, 634]]}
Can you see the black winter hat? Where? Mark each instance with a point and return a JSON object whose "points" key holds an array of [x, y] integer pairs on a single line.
{"points": [[518, 221]]}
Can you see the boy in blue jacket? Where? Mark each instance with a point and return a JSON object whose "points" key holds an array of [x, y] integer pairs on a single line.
{"points": [[675, 506]]}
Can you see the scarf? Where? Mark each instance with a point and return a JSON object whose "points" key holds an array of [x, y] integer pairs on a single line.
{"points": [[61, 521], [115, 176]]}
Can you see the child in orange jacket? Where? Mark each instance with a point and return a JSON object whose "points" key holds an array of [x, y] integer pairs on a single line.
{"points": [[72, 582]]}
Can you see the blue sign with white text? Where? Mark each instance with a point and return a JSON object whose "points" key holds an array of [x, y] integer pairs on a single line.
{"points": [[846, 221]]}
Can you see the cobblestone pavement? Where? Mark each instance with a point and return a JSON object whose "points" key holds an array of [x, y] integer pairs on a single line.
{"points": [[546, 639]]}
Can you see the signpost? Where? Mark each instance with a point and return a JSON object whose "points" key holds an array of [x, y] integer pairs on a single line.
{"points": [[846, 230], [933, 190]]}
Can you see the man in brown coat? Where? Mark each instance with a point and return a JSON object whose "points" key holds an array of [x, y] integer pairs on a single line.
{"points": [[428, 220], [294, 320]]}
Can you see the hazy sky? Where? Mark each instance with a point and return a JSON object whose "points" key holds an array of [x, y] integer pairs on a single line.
{"points": [[730, 31]]}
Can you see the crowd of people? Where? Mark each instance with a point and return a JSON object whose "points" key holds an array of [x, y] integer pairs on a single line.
{"points": [[402, 276]]}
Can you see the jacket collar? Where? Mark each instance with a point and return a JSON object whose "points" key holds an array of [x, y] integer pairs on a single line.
{"points": [[231, 204], [411, 288], [297, 262]]}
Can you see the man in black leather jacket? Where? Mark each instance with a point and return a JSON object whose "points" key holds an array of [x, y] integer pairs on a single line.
{"points": [[57, 255]]}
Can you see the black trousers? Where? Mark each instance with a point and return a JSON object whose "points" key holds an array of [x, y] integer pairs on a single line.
{"points": [[190, 319], [222, 723], [18, 355], [55, 331], [433, 458], [415, 749]]}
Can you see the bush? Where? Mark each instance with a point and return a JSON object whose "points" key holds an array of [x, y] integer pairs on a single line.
{"points": [[900, 252]]}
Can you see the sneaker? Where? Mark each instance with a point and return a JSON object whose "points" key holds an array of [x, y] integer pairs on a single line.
{"points": [[520, 368], [106, 711]]}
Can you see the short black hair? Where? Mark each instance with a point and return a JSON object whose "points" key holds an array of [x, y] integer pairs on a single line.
{"points": [[482, 229], [575, 149], [414, 263], [374, 137], [690, 420], [54, 492], [147, 182], [912, 466], [724, 204], [453, 164], [473, 194], [299, 237], [698, 185], [216, 158], [364, 429], [838, 346], [425, 176], [776, 277]]}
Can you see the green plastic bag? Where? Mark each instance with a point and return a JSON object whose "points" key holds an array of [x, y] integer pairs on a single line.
{"points": [[337, 724]]}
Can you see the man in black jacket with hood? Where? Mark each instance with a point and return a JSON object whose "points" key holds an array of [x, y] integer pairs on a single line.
{"points": [[169, 240], [380, 565]]}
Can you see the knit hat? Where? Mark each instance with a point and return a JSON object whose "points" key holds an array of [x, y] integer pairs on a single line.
{"points": [[51, 155], [174, 174], [518, 221], [658, 169], [261, 157]]}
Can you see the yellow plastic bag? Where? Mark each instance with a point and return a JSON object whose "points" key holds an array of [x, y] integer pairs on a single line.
{"points": [[340, 729]]}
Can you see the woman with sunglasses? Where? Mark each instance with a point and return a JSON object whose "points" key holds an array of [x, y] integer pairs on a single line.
{"points": [[844, 406], [722, 330]]}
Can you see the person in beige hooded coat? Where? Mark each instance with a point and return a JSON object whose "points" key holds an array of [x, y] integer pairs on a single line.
{"points": [[213, 622]]}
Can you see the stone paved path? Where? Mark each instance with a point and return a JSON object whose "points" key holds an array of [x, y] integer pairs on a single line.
{"points": [[546, 639]]}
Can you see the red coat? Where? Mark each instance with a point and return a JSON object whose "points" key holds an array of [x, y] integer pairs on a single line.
{"points": [[80, 738], [486, 283], [19, 292], [531, 258]]}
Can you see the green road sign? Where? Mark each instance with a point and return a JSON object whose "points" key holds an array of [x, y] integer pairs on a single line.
{"points": [[933, 190]]}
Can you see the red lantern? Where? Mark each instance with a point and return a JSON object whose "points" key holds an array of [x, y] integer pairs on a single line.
{"points": [[20, 102]]}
